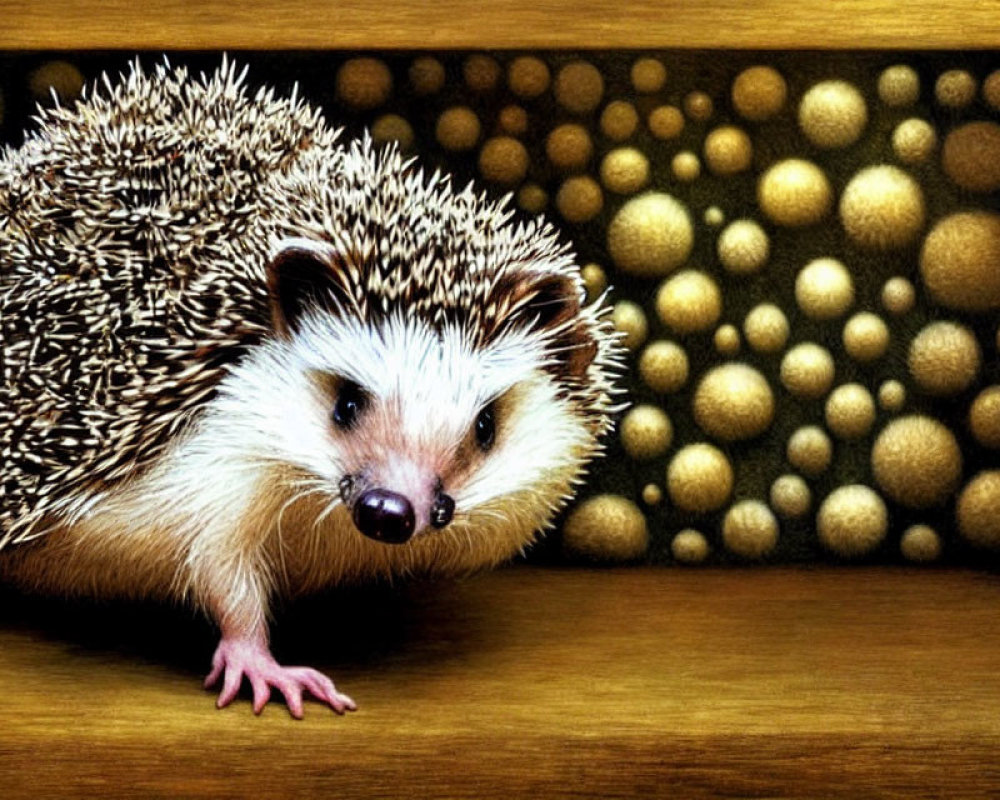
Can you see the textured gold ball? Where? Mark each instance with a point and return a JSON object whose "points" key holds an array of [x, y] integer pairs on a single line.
{"points": [[569, 147], [824, 289], [728, 150], [984, 417], [991, 90], [727, 340], [699, 478], [891, 395], [971, 156], [850, 411], [625, 170], [759, 93], [733, 402], [652, 494], [426, 75], [665, 122], [689, 301], [532, 198], [920, 543], [978, 509], [750, 529], [866, 337], [832, 114], [607, 527], [595, 281], [481, 72], [714, 216], [528, 76], [944, 358], [630, 319], [60, 77], [955, 88], [689, 546], [916, 461], [807, 370], [882, 208], [810, 450], [513, 119], [852, 520], [393, 128], [698, 106], [664, 366], [960, 261], [650, 235], [743, 247], [791, 496], [646, 432], [579, 199], [579, 87], [458, 129], [794, 193], [503, 160], [913, 141], [619, 120], [686, 166], [766, 328], [364, 82], [898, 296], [899, 86], [648, 75]]}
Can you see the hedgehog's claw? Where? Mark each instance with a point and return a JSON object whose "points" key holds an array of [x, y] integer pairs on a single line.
{"points": [[238, 657]]}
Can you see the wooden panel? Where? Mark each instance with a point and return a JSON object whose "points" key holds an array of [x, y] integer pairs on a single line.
{"points": [[79, 24], [779, 683]]}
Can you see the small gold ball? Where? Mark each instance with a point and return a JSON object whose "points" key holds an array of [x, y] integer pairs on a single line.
{"points": [[960, 261], [728, 150], [652, 495], [733, 402], [699, 478], [891, 395], [766, 328], [750, 529], [513, 119], [607, 527], [689, 546], [689, 301], [595, 281], [810, 450], [866, 337], [882, 208], [978, 509], [955, 88], [916, 461], [648, 75], [481, 72], [984, 417], [971, 156], [664, 366], [646, 432], [458, 129], [852, 520], [665, 122], [913, 141], [528, 76], [898, 296], [698, 106], [794, 193], [790, 496], [920, 543], [650, 235], [579, 87], [743, 247], [426, 75], [944, 358], [832, 114], [625, 170], [59, 76], [807, 370], [899, 86], [630, 319], [991, 90], [532, 198], [569, 147], [686, 166], [579, 199], [503, 160], [714, 216], [393, 128], [727, 340], [850, 411], [759, 93], [363, 83], [619, 120], [824, 289]]}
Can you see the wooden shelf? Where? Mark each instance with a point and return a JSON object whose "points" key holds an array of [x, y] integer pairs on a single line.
{"points": [[570, 683]]}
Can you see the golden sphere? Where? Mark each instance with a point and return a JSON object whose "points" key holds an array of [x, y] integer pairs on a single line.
{"points": [[824, 289], [619, 120], [913, 141], [648, 75], [579, 199], [426, 75], [569, 147], [960, 261], [595, 281], [652, 494], [991, 90], [689, 546], [832, 114], [978, 509], [625, 170], [955, 88], [513, 119], [532, 198], [646, 432], [971, 156], [630, 319], [686, 166], [579, 87], [699, 478], [790, 496], [899, 86], [750, 529], [759, 93], [728, 150], [852, 520], [698, 106], [393, 128], [664, 366], [891, 395], [733, 401], [481, 72], [503, 160], [689, 301], [650, 235], [807, 370], [866, 337], [810, 450], [920, 543], [882, 208], [916, 461], [363, 83], [665, 122], [850, 411], [743, 247], [944, 358], [714, 216], [794, 193], [766, 328], [984, 417], [727, 340], [60, 77], [898, 296], [528, 76], [458, 129], [607, 527]]}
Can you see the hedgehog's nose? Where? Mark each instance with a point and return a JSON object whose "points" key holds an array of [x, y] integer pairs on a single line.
{"points": [[384, 516]]}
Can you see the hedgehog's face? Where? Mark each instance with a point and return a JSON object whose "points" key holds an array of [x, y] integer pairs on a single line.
{"points": [[424, 426]]}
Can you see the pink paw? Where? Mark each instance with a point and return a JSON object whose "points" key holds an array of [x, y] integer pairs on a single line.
{"points": [[237, 658]]}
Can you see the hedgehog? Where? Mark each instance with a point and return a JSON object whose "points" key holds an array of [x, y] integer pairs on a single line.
{"points": [[243, 360]]}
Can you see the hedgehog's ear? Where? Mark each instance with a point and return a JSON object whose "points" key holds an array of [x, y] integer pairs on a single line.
{"points": [[305, 274]]}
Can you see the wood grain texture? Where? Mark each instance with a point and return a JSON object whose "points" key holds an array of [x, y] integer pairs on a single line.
{"points": [[265, 24], [781, 683]]}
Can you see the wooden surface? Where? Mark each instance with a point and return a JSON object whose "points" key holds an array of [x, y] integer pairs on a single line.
{"points": [[780, 683], [266, 24]]}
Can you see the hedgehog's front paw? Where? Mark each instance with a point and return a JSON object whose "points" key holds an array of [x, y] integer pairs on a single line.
{"points": [[237, 657]]}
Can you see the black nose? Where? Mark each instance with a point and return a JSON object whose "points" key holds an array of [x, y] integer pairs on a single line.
{"points": [[443, 510], [384, 516]]}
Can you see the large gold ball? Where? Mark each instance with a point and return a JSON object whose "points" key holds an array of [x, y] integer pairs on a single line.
{"points": [[646, 432], [606, 528], [759, 93], [664, 366], [766, 328], [807, 370], [832, 114], [699, 478], [971, 156], [824, 289], [734, 401], [865, 337], [916, 461], [689, 301], [882, 208], [743, 247], [794, 193], [810, 450], [944, 358], [728, 150], [749, 529], [852, 520], [651, 235], [984, 417], [364, 82], [978, 510], [850, 411], [960, 261]]}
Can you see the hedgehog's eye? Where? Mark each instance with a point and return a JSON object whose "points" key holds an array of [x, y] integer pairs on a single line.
{"points": [[486, 427], [351, 401]]}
